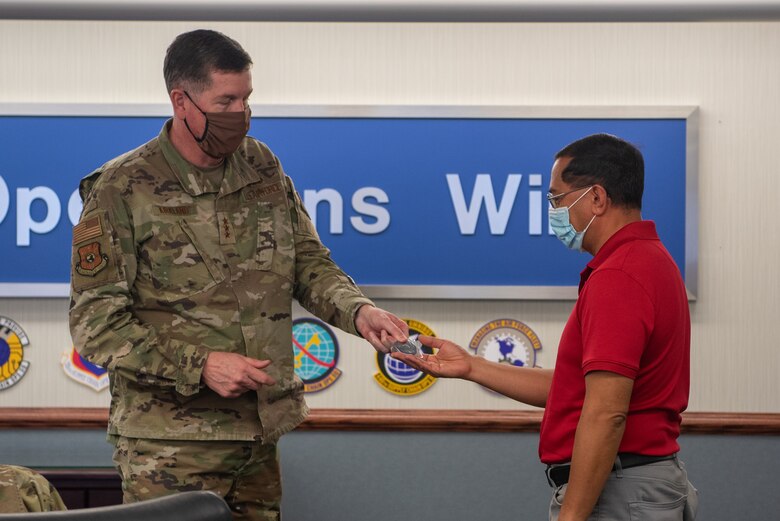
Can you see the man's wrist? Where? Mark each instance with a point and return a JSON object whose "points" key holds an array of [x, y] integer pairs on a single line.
{"points": [[476, 365], [356, 317]]}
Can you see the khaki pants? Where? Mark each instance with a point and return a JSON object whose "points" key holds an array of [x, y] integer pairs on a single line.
{"points": [[245, 473], [656, 492]]}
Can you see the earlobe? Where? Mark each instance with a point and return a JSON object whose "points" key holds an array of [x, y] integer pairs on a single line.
{"points": [[599, 200], [177, 100]]}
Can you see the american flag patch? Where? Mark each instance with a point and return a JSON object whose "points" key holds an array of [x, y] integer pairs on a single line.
{"points": [[87, 230]]}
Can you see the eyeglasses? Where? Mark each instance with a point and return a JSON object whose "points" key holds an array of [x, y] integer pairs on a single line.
{"points": [[555, 200]]}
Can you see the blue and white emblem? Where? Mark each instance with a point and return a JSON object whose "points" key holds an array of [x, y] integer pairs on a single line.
{"points": [[506, 341], [315, 354]]}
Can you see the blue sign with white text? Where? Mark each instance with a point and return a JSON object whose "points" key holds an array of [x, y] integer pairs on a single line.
{"points": [[399, 201]]}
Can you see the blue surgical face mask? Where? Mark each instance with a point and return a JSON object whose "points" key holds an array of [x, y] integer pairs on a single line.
{"points": [[562, 227]]}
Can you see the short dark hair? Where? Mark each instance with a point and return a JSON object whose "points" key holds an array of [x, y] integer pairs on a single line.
{"points": [[609, 161], [193, 56]]}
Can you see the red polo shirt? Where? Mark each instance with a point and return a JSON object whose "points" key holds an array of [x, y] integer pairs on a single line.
{"points": [[632, 319]]}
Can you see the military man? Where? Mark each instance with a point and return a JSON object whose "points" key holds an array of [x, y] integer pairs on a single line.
{"points": [[186, 259]]}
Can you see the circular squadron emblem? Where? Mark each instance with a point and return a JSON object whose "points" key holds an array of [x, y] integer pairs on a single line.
{"points": [[13, 340], [506, 341], [398, 378], [315, 354]]}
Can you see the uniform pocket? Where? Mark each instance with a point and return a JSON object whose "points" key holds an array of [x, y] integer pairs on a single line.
{"points": [[286, 388], [651, 511], [266, 237], [180, 265], [275, 243]]}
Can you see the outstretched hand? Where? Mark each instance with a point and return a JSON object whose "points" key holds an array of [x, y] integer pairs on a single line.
{"points": [[450, 360], [381, 328]]}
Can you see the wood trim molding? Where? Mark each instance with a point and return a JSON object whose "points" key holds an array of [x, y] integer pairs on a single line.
{"points": [[394, 420], [422, 420]]}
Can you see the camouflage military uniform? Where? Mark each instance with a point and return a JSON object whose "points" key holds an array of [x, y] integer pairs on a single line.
{"points": [[170, 262], [246, 474], [24, 490]]}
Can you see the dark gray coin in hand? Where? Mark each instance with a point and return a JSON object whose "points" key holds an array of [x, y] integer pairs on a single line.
{"points": [[412, 346]]}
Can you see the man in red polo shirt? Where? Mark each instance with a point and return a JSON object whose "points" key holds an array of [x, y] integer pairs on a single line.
{"points": [[613, 402]]}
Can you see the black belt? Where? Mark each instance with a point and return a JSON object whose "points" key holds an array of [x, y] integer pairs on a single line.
{"points": [[558, 475]]}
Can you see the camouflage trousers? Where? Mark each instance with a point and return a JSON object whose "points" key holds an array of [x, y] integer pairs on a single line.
{"points": [[245, 473]]}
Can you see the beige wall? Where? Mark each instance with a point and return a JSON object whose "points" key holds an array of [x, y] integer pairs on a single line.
{"points": [[729, 70]]}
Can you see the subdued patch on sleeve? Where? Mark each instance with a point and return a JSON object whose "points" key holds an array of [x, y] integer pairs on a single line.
{"points": [[93, 257]]}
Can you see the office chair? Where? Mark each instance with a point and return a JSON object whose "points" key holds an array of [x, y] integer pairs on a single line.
{"points": [[184, 506]]}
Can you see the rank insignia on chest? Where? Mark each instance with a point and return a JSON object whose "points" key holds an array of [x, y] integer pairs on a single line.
{"points": [[91, 260], [226, 233]]}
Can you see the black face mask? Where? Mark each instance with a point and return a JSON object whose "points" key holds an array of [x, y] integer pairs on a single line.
{"points": [[224, 131]]}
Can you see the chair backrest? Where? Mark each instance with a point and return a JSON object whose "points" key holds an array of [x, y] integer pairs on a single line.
{"points": [[183, 506]]}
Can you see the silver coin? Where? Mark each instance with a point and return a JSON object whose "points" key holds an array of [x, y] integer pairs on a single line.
{"points": [[411, 347]]}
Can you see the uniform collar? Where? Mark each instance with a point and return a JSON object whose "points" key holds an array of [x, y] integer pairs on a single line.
{"points": [[238, 172], [639, 230]]}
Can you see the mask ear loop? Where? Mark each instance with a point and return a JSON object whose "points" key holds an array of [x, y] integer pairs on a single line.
{"points": [[588, 226], [572, 204], [206, 129], [575, 202]]}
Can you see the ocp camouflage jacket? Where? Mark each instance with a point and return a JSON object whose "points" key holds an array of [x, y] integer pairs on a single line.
{"points": [[170, 263]]}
